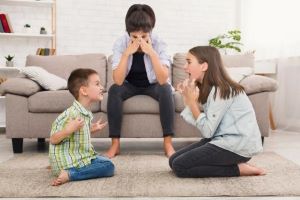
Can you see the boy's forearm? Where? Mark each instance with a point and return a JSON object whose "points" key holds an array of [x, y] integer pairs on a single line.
{"points": [[57, 137]]}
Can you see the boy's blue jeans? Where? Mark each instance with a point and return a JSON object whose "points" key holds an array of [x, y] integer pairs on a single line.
{"points": [[99, 167]]}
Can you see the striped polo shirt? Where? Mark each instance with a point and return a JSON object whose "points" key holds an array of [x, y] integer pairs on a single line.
{"points": [[75, 150]]}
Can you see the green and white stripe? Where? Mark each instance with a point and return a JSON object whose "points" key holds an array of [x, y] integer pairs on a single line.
{"points": [[75, 150]]}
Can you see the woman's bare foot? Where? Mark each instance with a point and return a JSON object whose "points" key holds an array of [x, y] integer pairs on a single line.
{"points": [[61, 179], [250, 170], [168, 147], [114, 149]]}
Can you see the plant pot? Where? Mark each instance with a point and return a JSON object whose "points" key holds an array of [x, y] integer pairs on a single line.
{"points": [[27, 30], [43, 32], [9, 63]]}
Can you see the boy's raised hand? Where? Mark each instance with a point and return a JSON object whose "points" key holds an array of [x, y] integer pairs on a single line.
{"points": [[74, 125], [98, 125]]}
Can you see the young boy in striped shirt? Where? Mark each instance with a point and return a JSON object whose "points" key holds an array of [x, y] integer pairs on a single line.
{"points": [[72, 156]]}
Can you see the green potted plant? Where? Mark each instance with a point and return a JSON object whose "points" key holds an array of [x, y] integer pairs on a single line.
{"points": [[9, 60], [229, 40], [27, 28]]}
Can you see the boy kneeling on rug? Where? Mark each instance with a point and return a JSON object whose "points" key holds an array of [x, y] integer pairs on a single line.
{"points": [[72, 156]]}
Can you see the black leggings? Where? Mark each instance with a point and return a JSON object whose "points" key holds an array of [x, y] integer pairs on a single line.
{"points": [[162, 93], [202, 159]]}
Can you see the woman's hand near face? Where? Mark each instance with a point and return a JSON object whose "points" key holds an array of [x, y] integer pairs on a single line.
{"points": [[180, 89], [189, 92]]}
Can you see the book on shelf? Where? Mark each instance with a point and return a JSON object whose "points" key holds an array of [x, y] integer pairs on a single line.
{"points": [[5, 23], [45, 51], [1, 27]]}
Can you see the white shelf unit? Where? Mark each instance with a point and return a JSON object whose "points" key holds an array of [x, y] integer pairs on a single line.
{"points": [[34, 3], [49, 36]]}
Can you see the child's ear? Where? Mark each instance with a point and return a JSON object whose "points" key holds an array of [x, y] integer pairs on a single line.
{"points": [[82, 91]]}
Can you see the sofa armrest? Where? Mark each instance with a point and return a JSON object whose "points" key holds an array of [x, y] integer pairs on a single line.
{"points": [[256, 83], [19, 86]]}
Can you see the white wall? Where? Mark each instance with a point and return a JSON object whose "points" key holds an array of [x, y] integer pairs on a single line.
{"points": [[271, 27], [92, 26]]}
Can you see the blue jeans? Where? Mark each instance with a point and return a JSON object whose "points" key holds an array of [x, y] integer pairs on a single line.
{"points": [[99, 167]]}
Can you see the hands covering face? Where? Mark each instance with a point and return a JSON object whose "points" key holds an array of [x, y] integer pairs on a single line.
{"points": [[140, 43], [189, 91]]}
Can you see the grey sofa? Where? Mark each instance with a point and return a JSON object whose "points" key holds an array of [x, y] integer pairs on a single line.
{"points": [[30, 110]]}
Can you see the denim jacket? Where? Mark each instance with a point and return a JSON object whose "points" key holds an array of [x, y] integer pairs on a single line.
{"points": [[230, 123]]}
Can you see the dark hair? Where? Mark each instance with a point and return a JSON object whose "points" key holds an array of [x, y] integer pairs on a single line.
{"points": [[79, 77], [140, 17], [215, 75]]}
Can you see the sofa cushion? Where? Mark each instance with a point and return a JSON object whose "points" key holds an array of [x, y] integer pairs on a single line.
{"points": [[45, 79], [239, 73], [178, 73], [53, 102], [256, 83], [19, 86], [241, 60], [178, 100], [63, 65]]}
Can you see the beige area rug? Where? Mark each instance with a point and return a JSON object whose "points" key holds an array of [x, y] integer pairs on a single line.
{"points": [[140, 175]]}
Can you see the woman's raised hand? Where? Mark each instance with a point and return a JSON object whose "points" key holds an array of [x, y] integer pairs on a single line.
{"points": [[189, 91]]}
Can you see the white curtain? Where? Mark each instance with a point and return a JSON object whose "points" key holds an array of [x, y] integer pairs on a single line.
{"points": [[286, 101], [272, 29]]}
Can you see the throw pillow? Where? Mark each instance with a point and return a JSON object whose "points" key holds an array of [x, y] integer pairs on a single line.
{"points": [[239, 73], [45, 79]]}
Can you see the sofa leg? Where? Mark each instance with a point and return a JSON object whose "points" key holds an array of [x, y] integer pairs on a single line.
{"points": [[41, 145], [17, 144], [262, 140]]}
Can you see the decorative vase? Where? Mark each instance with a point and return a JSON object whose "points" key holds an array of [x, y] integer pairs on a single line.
{"points": [[9, 63], [43, 32], [27, 30]]}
